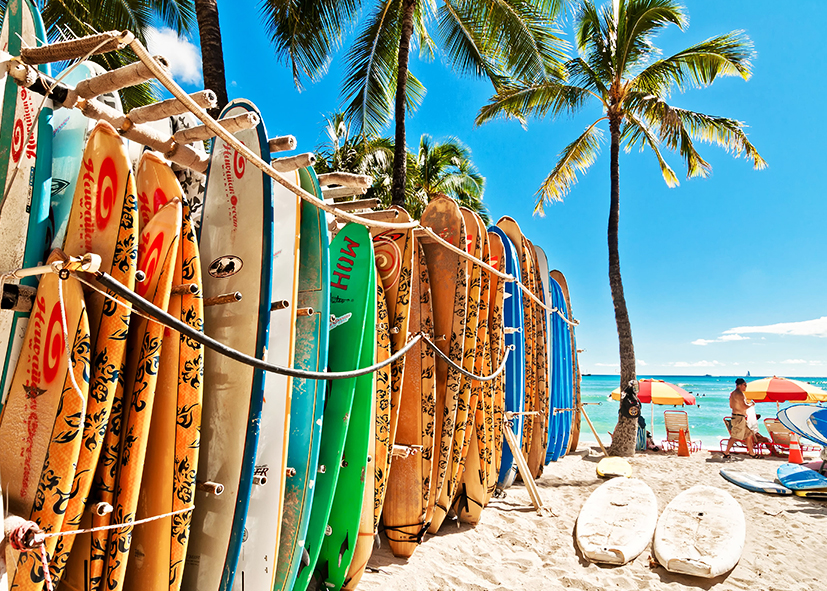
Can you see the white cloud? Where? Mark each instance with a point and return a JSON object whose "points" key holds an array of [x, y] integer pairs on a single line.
{"points": [[725, 338], [641, 362], [808, 328], [607, 365], [702, 363], [183, 57], [793, 361]]}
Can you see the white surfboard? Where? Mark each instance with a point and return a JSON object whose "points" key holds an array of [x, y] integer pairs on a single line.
{"points": [[700, 533], [617, 521]]}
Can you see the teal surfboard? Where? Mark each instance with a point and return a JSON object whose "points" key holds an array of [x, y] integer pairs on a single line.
{"points": [[345, 513], [351, 268], [307, 403], [801, 478], [25, 176]]}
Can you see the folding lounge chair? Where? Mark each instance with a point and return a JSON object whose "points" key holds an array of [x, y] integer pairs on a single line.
{"points": [[675, 420], [757, 446], [780, 436]]}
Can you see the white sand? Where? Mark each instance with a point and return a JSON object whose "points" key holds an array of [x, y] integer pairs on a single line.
{"points": [[515, 548]]}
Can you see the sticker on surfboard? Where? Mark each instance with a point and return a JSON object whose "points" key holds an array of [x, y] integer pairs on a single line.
{"points": [[225, 266]]}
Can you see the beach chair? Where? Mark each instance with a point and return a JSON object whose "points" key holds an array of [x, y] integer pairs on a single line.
{"points": [[757, 446], [780, 436], [675, 420]]}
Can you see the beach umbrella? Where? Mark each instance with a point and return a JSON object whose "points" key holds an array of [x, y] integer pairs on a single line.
{"points": [[659, 392], [779, 390]]}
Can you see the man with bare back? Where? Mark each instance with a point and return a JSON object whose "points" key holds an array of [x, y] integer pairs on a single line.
{"points": [[740, 430]]}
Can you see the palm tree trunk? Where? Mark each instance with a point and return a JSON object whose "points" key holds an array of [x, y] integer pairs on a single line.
{"points": [[400, 147], [623, 438], [212, 53]]}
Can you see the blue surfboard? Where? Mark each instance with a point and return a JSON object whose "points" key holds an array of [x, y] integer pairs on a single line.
{"points": [[515, 365], [796, 417], [562, 376], [754, 483], [818, 422], [801, 478]]}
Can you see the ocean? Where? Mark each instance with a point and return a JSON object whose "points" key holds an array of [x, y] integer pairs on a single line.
{"points": [[705, 418]]}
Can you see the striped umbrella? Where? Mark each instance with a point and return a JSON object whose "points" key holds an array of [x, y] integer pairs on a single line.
{"points": [[777, 389], [659, 392]]}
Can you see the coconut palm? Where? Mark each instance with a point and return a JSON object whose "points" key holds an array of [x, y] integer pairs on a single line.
{"points": [[69, 19], [619, 67], [483, 38], [439, 167]]}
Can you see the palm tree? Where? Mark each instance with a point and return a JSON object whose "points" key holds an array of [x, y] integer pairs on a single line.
{"points": [[212, 52], [619, 67], [482, 38], [442, 167], [69, 19]]}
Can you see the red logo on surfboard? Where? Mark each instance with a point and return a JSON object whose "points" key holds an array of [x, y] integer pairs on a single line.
{"points": [[107, 187]]}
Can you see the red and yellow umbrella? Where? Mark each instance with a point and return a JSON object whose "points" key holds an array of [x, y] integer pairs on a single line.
{"points": [[660, 392], [777, 389]]}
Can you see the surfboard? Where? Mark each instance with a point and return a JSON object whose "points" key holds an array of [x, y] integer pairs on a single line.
{"points": [[701, 532], [157, 253], [193, 183], [478, 451], [801, 478], [103, 220], [573, 433], [515, 364], [394, 260], [25, 177], [496, 341], [168, 481], [449, 300], [352, 264], [307, 402], [539, 441], [468, 390], [41, 422], [795, 419], [818, 422], [612, 467], [565, 372], [754, 483], [512, 230], [236, 242], [617, 521], [379, 444], [407, 496], [71, 132], [259, 547]]}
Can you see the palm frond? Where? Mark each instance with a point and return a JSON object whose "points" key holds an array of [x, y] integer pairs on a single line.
{"points": [[698, 66], [304, 33], [577, 156], [595, 38], [460, 40], [581, 74], [638, 22], [637, 131], [520, 101]]}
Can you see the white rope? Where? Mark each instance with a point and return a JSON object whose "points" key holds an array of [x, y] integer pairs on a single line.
{"points": [[68, 349]]}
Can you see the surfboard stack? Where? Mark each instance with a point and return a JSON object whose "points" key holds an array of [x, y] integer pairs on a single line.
{"points": [[212, 473]]}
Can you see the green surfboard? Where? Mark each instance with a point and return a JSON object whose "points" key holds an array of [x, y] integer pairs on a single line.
{"points": [[346, 510], [351, 266]]}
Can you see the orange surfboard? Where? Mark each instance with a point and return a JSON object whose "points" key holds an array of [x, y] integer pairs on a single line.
{"points": [[496, 341]]}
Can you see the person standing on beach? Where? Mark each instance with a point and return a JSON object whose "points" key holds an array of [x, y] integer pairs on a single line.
{"points": [[740, 430]]}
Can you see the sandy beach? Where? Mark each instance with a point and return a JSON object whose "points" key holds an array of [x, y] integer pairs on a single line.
{"points": [[515, 548]]}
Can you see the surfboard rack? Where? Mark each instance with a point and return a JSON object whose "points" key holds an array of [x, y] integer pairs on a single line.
{"points": [[279, 305], [405, 451], [201, 133], [283, 143], [224, 298], [355, 204], [205, 99], [293, 163], [184, 288], [17, 297], [213, 488], [302, 312], [522, 465], [89, 263]]}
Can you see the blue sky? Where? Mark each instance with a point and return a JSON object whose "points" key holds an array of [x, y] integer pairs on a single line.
{"points": [[722, 275]]}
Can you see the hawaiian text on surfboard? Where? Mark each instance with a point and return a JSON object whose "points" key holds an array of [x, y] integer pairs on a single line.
{"points": [[345, 264], [233, 167], [104, 197], [22, 127]]}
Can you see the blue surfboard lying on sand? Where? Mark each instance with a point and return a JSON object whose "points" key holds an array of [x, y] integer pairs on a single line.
{"points": [[796, 417], [801, 478], [754, 483]]}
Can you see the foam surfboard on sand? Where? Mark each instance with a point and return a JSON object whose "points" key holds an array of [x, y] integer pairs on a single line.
{"points": [[701, 532], [754, 483], [612, 467], [617, 521]]}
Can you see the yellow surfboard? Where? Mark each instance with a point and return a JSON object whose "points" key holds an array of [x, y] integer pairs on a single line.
{"points": [[157, 254], [42, 420], [168, 482], [539, 441], [496, 342], [102, 221]]}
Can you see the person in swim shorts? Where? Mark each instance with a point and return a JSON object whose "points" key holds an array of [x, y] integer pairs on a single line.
{"points": [[740, 430]]}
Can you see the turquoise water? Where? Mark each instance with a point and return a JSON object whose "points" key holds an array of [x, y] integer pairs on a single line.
{"points": [[705, 419]]}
